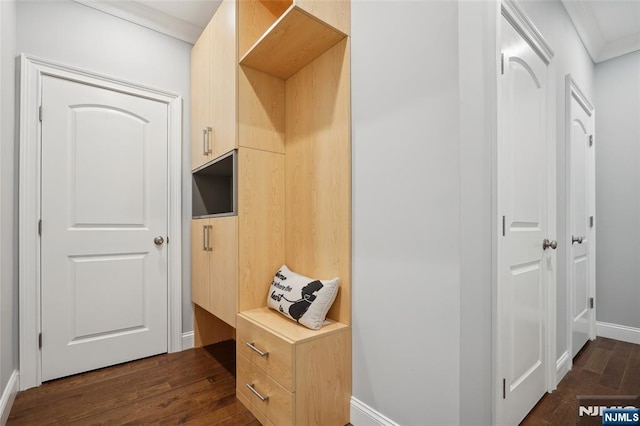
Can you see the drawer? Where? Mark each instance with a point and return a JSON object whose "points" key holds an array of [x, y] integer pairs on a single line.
{"points": [[277, 360], [278, 402], [257, 414]]}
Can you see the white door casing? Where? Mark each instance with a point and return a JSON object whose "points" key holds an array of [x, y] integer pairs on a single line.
{"points": [[580, 217], [33, 72], [104, 199], [526, 216]]}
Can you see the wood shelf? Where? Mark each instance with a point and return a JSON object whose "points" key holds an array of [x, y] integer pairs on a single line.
{"points": [[295, 40], [287, 329]]}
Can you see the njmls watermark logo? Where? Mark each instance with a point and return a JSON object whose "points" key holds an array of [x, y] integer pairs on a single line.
{"points": [[605, 410]]}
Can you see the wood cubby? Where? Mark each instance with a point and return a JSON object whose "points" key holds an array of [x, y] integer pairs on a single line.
{"points": [[215, 187], [293, 134]]}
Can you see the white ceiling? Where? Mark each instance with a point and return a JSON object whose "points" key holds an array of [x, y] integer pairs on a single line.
{"points": [[608, 28], [181, 19]]}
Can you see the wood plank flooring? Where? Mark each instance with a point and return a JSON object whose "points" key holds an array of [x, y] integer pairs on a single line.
{"points": [[603, 367], [195, 386]]}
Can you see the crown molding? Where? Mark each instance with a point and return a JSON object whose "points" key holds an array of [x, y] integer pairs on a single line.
{"points": [[586, 25], [147, 17], [512, 11]]}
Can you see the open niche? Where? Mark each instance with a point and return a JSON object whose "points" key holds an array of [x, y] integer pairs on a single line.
{"points": [[280, 38], [214, 188]]}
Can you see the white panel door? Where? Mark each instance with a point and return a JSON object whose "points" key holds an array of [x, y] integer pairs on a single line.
{"points": [[580, 253], [104, 200], [523, 204]]}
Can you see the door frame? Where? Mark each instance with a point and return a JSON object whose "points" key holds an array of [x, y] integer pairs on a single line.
{"points": [[32, 70], [572, 90], [516, 16]]}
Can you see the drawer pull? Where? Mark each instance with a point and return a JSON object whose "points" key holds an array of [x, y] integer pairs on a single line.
{"points": [[256, 393], [258, 351]]}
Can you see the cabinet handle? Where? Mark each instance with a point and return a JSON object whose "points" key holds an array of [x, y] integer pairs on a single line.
{"points": [[205, 238], [209, 134], [253, 348], [256, 393], [205, 143]]}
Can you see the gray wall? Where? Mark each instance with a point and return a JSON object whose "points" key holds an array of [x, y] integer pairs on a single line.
{"points": [[406, 210], [76, 35], [8, 204], [618, 190], [571, 57]]}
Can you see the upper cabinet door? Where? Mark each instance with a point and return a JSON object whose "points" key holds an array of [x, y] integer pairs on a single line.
{"points": [[223, 79], [200, 95], [213, 88]]}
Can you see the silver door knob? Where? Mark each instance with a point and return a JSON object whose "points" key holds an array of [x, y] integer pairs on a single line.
{"points": [[158, 241], [546, 244], [578, 240]]}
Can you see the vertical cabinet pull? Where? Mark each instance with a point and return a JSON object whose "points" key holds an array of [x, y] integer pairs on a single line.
{"points": [[205, 143], [206, 237], [209, 134]]}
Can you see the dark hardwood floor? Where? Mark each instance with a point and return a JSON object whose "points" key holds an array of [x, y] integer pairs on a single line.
{"points": [[195, 386], [603, 367]]}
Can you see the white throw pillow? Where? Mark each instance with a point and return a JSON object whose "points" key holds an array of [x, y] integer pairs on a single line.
{"points": [[302, 299]]}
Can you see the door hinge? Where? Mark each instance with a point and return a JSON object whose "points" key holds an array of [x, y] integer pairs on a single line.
{"points": [[590, 221], [40, 340], [40, 227], [590, 140], [502, 63], [40, 113], [504, 220], [504, 388], [591, 303]]}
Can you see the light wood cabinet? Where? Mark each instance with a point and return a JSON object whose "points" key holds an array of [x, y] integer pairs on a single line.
{"points": [[213, 88], [290, 375], [214, 276], [288, 114]]}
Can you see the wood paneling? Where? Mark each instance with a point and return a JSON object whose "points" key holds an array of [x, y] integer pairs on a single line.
{"points": [[208, 329], [223, 106], [336, 13], [323, 372], [199, 264], [291, 44], [255, 17], [223, 268], [318, 173], [196, 386], [260, 111], [261, 224]]}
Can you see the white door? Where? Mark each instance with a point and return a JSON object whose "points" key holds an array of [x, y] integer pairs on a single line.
{"points": [[580, 226], [524, 205], [104, 200]]}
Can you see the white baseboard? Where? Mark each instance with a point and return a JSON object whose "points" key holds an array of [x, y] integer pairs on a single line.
{"points": [[618, 332], [563, 365], [363, 415], [8, 395], [187, 340]]}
